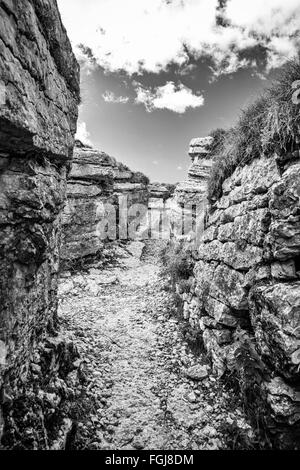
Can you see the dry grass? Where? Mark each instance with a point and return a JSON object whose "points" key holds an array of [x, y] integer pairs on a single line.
{"points": [[269, 126], [178, 263]]}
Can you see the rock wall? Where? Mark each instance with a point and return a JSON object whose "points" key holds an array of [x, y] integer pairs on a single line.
{"points": [[245, 296], [40, 89], [96, 179]]}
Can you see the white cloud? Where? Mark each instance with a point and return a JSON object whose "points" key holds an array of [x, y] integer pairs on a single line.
{"points": [[228, 65], [82, 134], [267, 17], [169, 96], [155, 162], [279, 50], [148, 35], [86, 60], [179, 168], [274, 23], [110, 97]]}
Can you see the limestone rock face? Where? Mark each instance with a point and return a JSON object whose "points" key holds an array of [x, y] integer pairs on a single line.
{"points": [[40, 75], [200, 146], [275, 313], [40, 79], [247, 278], [188, 205], [96, 179], [161, 191], [194, 189]]}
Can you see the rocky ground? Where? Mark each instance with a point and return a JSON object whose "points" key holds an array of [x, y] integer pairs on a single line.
{"points": [[141, 386]]}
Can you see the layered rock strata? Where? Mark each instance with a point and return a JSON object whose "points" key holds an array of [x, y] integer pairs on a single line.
{"points": [[245, 294], [188, 206], [157, 223], [161, 191], [97, 180], [194, 189], [38, 113]]}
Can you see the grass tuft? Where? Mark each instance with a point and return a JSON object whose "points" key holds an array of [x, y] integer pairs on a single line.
{"points": [[178, 264], [270, 126]]}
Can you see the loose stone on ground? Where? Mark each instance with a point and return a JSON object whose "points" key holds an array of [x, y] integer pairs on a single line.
{"points": [[142, 387]]}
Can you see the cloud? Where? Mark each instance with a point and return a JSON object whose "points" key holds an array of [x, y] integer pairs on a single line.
{"points": [[155, 162], [87, 61], [274, 24], [82, 134], [110, 97], [227, 65], [176, 98], [279, 50], [188, 69], [140, 36], [179, 168], [265, 18]]}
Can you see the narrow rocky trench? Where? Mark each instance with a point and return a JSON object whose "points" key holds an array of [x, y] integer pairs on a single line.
{"points": [[141, 386], [119, 370]]}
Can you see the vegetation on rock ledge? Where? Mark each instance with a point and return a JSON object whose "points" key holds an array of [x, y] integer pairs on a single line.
{"points": [[270, 125], [178, 264]]}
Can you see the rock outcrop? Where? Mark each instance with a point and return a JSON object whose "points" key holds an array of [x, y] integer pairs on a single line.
{"points": [[188, 205], [194, 190], [161, 191], [244, 299], [157, 221], [96, 179], [38, 113]]}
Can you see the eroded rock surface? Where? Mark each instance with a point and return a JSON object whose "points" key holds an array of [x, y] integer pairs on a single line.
{"points": [[40, 78], [161, 191], [194, 189], [95, 180], [189, 203], [41, 81], [247, 280]]}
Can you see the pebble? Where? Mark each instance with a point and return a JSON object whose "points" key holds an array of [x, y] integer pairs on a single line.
{"points": [[192, 397], [197, 372], [138, 445]]}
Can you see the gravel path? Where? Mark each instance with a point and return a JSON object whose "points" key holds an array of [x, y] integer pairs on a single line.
{"points": [[135, 389]]}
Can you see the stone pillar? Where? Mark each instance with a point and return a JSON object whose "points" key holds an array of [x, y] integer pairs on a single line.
{"points": [[201, 162], [191, 194]]}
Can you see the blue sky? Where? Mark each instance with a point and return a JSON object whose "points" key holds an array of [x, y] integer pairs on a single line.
{"points": [[156, 73]]}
